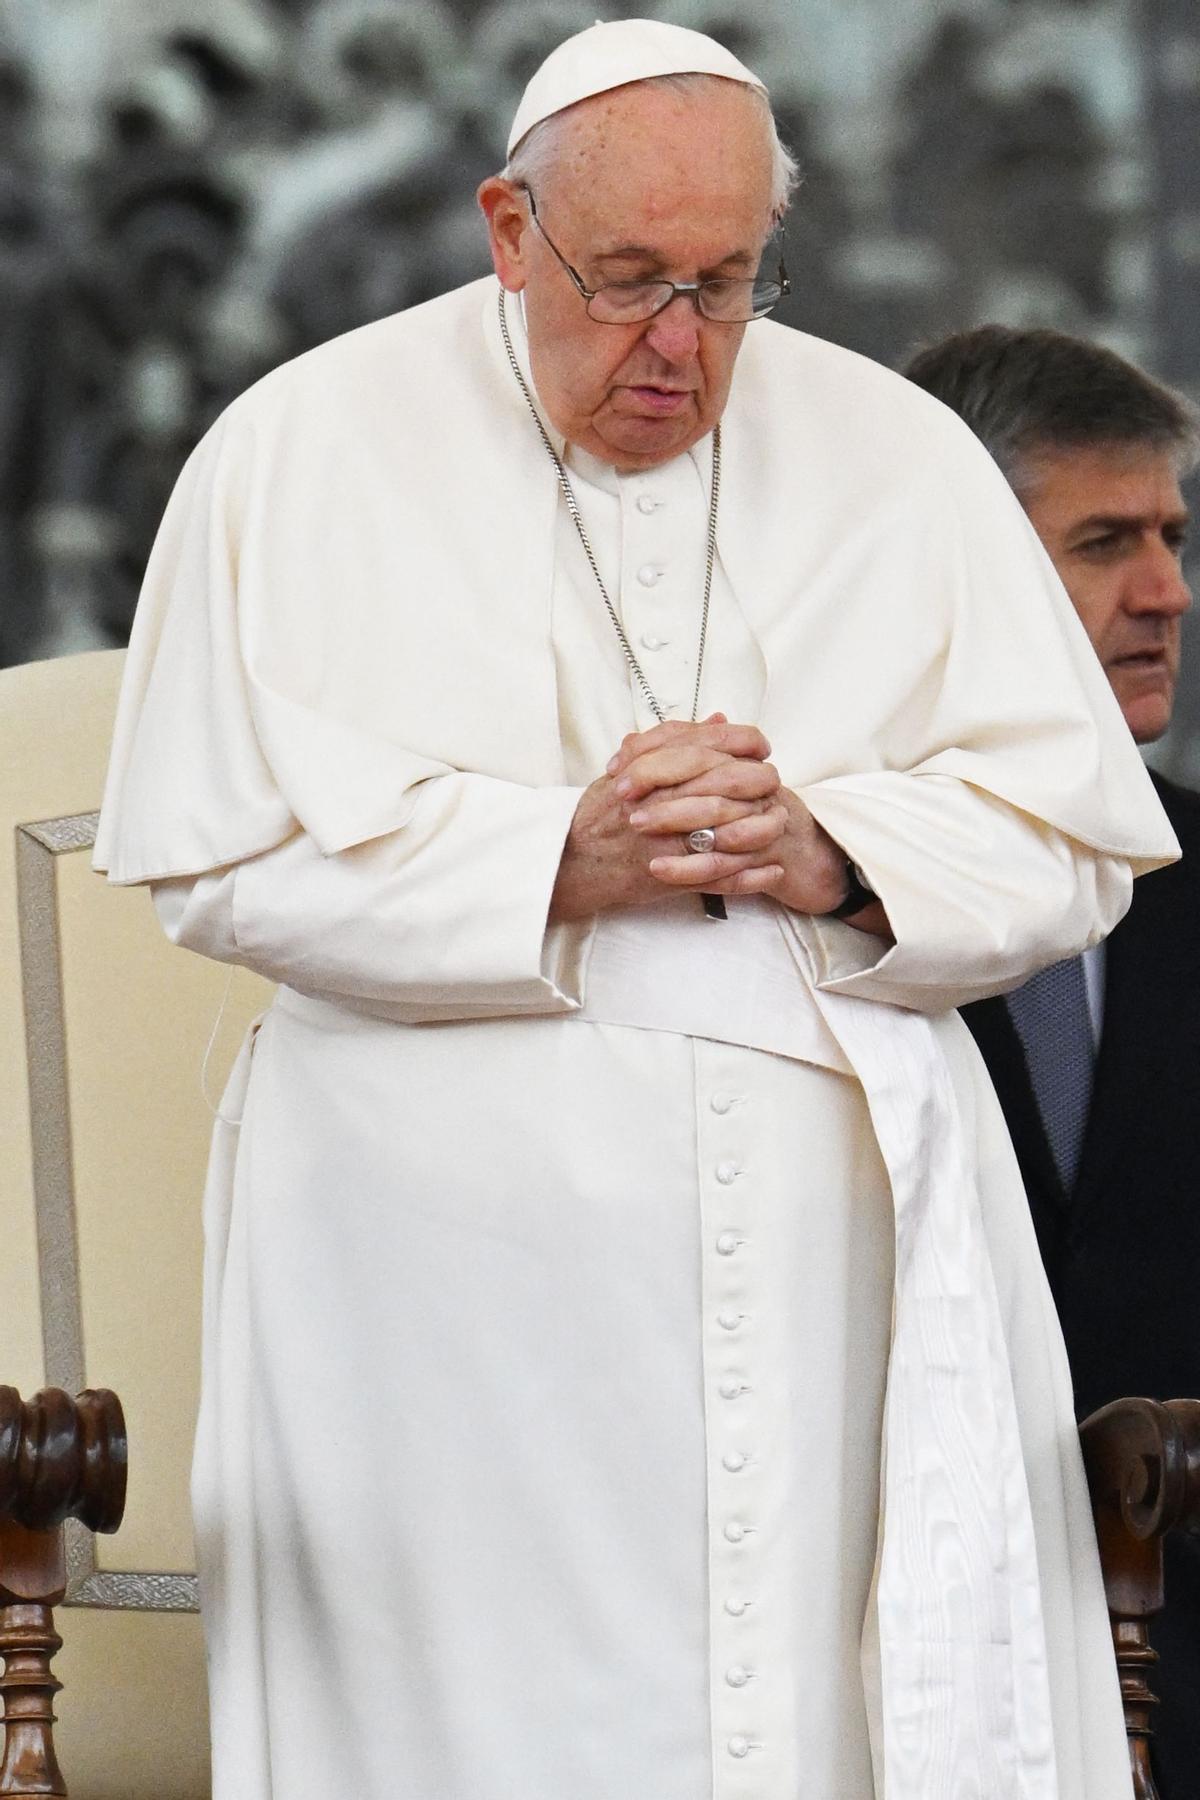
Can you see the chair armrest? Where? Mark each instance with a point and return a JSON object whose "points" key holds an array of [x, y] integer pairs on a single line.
{"points": [[1143, 1468]]}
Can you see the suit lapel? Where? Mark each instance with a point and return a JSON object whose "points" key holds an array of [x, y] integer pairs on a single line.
{"points": [[1138, 975]]}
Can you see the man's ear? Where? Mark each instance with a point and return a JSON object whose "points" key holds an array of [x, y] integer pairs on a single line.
{"points": [[504, 207]]}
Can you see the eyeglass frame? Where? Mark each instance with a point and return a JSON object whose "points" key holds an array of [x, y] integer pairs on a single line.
{"points": [[692, 288]]}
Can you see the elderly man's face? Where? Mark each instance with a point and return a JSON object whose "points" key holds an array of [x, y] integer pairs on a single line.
{"points": [[1114, 522], [648, 183]]}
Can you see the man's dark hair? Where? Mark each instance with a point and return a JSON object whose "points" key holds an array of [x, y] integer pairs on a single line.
{"points": [[1022, 392]]}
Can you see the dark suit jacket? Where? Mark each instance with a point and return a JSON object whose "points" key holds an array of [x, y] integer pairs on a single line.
{"points": [[1122, 1251]]}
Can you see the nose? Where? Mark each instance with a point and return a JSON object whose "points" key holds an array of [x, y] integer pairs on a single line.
{"points": [[1160, 587], [674, 333]]}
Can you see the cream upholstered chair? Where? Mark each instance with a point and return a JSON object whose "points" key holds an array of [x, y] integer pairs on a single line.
{"points": [[103, 1137]]}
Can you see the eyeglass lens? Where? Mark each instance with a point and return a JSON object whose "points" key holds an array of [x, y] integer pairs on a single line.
{"points": [[733, 302]]}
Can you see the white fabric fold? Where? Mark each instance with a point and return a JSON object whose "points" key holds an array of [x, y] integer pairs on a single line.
{"points": [[386, 928], [965, 1694]]}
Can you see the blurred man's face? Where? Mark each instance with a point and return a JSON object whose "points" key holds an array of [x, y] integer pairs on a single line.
{"points": [[649, 183], [1114, 522]]}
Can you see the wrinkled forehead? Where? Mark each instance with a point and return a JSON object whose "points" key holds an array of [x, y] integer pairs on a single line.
{"points": [[1068, 490], [1112, 464], [663, 155]]}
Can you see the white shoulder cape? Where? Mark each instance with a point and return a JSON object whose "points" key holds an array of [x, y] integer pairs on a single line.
{"points": [[351, 593]]}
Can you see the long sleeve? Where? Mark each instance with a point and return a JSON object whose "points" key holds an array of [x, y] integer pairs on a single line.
{"points": [[444, 919], [978, 893]]}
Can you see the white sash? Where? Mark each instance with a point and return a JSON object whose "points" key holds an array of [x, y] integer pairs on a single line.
{"points": [[962, 1651]]}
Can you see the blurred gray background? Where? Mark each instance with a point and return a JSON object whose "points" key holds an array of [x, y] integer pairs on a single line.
{"points": [[193, 190]]}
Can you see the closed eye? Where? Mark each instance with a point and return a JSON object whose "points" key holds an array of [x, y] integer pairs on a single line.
{"points": [[1105, 543]]}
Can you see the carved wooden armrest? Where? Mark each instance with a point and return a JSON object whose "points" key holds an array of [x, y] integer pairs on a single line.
{"points": [[59, 1459], [1143, 1467]]}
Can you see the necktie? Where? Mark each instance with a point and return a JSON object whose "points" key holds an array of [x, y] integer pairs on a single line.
{"points": [[1050, 1013]]}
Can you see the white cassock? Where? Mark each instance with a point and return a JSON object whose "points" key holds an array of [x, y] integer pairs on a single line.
{"points": [[550, 1271]]}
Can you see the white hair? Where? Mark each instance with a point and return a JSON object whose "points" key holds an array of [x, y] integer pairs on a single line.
{"points": [[534, 156]]}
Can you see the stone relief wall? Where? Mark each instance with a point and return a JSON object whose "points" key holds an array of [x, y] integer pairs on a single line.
{"points": [[191, 192]]}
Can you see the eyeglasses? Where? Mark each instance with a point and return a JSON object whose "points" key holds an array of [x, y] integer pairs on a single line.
{"points": [[729, 302]]}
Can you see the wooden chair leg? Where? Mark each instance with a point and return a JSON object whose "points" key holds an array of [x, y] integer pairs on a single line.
{"points": [[32, 1581], [1135, 1661]]}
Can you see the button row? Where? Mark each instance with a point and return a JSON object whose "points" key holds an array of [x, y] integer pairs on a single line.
{"points": [[727, 1243]]}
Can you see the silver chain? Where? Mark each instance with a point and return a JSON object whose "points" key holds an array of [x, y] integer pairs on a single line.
{"points": [[635, 667]]}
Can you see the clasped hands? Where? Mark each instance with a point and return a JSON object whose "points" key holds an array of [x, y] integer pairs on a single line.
{"points": [[626, 843]]}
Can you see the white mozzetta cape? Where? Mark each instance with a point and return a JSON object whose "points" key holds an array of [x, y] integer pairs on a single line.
{"points": [[347, 651], [366, 540]]}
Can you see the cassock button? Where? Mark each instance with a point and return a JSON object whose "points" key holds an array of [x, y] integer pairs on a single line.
{"points": [[730, 1388], [737, 1676], [648, 575], [734, 1533], [720, 1103], [727, 1173], [646, 505], [735, 1607], [739, 1747], [733, 1460], [650, 641], [729, 1321], [727, 1243]]}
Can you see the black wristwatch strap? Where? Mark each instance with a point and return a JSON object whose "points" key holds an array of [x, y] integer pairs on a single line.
{"points": [[858, 894]]}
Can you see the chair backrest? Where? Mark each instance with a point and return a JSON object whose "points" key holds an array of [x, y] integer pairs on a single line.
{"points": [[103, 1140]]}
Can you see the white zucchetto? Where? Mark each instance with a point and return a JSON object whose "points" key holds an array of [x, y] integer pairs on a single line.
{"points": [[611, 55]]}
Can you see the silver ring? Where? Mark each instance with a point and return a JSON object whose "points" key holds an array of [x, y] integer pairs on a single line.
{"points": [[700, 841]]}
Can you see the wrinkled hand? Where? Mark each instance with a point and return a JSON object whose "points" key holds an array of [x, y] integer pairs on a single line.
{"points": [[708, 767], [771, 845], [625, 846]]}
